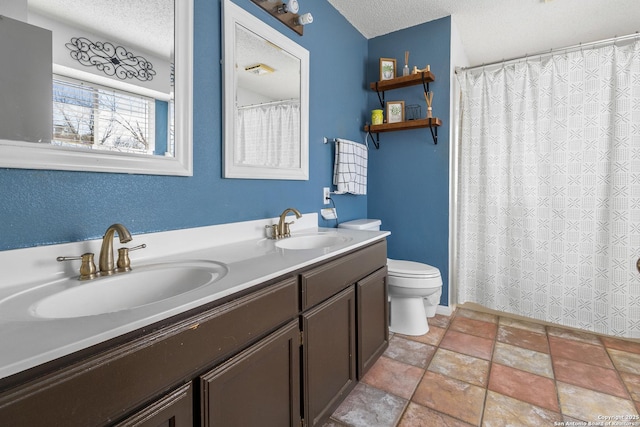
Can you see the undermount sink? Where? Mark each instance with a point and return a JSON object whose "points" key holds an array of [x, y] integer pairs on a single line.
{"points": [[312, 241], [145, 285]]}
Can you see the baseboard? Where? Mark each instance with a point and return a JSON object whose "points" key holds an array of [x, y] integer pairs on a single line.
{"points": [[444, 310]]}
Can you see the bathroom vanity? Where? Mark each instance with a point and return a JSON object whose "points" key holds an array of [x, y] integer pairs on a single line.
{"points": [[283, 348]]}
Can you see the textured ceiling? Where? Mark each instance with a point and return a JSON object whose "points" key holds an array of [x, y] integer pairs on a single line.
{"points": [[147, 24], [492, 30], [283, 83]]}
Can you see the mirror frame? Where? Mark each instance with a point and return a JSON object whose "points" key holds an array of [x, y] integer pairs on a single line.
{"points": [[233, 15], [29, 155]]}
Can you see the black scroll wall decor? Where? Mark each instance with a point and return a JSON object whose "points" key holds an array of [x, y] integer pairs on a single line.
{"points": [[111, 60]]}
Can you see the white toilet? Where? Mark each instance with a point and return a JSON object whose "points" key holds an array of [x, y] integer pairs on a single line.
{"points": [[414, 288]]}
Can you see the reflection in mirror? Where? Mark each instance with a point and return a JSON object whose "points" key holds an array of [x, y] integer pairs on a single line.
{"points": [[119, 79], [266, 100]]}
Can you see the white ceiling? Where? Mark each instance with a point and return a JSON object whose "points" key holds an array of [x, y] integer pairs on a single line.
{"points": [[147, 24], [492, 30]]}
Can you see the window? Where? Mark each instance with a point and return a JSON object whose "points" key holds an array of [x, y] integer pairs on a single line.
{"points": [[98, 117]]}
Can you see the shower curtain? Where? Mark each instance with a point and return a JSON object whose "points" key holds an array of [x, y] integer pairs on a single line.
{"points": [[549, 188], [269, 135]]}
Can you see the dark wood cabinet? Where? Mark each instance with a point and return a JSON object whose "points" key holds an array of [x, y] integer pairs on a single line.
{"points": [[283, 354], [329, 355], [113, 384], [258, 387], [373, 319], [173, 410]]}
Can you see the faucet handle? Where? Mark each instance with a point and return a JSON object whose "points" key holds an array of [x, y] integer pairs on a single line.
{"points": [[275, 233], [124, 262], [87, 268], [287, 230]]}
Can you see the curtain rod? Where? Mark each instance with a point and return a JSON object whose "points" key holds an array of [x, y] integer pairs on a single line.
{"points": [[284, 101], [552, 51]]}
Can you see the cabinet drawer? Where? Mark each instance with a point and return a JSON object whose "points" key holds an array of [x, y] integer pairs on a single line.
{"points": [[108, 386], [174, 409], [322, 282]]}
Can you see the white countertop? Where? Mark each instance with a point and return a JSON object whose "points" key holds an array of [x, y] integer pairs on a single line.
{"points": [[28, 341]]}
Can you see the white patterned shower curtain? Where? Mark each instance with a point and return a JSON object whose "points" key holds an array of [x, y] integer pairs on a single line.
{"points": [[549, 188]]}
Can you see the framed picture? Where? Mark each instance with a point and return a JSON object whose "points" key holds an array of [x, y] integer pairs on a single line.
{"points": [[387, 68], [395, 111]]}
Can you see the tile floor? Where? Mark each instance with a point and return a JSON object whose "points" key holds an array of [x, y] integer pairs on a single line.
{"points": [[478, 369]]}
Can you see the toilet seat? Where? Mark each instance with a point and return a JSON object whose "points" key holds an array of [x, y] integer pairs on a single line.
{"points": [[411, 269]]}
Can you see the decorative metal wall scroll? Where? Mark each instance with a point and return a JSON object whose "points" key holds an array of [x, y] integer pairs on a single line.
{"points": [[111, 60]]}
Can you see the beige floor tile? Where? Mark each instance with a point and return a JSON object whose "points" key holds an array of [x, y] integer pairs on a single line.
{"points": [[590, 406], [455, 398], [409, 351], [440, 321], [467, 344], [522, 324], [501, 411], [477, 315], [421, 416], [433, 337], [460, 366], [625, 361], [523, 359], [632, 381], [368, 406], [574, 335]]}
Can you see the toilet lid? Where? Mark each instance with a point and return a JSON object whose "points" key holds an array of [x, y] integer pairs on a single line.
{"points": [[411, 269]]}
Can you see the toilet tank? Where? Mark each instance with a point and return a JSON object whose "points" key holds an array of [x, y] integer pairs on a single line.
{"points": [[362, 224]]}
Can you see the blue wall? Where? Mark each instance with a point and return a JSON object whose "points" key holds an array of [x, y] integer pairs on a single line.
{"points": [[47, 207], [409, 175]]}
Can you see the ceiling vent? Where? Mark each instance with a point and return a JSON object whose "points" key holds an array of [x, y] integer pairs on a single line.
{"points": [[259, 69]]}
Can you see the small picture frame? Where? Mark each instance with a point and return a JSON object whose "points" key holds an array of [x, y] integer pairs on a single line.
{"points": [[395, 111], [387, 68]]}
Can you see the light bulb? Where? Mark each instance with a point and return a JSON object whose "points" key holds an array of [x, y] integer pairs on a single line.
{"points": [[291, 6], [305, 19]]}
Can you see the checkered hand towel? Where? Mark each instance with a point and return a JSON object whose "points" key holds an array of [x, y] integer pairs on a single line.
{"points": [[350, 167]]}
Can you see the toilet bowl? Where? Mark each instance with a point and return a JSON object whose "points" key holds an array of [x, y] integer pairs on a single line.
{"points": [[414, 292], [414, 288]]}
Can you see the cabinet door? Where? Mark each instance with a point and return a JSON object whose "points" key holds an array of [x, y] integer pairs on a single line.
{"points": [[329, 351], [373, 319], [173, 410], [258, 387]]}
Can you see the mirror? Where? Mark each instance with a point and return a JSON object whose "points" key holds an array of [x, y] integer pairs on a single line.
{"points": [[83, 133], [266, 100]]}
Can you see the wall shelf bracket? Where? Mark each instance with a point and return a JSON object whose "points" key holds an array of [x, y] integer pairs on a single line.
{"points": [[425, 83], [376, 141], [434, 132], [381, 99]]}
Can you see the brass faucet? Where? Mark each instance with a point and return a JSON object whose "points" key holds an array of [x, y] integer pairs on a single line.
{"points": [[107, 266], [283, 227]]}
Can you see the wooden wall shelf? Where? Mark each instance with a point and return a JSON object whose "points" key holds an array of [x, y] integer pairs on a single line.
{"points": [[404, 81], [423, 78], [409, 124]]}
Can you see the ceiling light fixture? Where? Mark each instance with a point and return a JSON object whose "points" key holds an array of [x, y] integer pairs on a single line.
{"points": [[289, 6], [305, 19], [286, 11], [259, 69]]}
